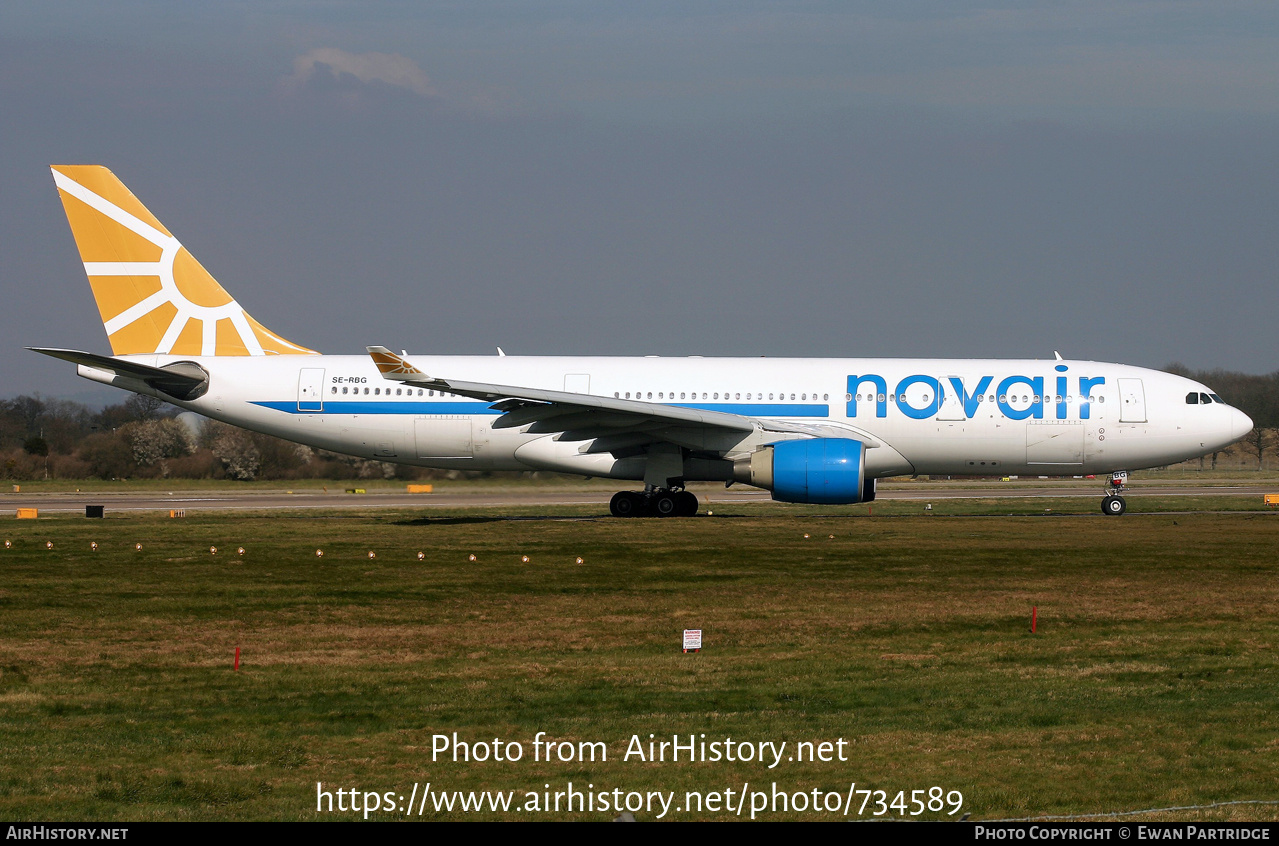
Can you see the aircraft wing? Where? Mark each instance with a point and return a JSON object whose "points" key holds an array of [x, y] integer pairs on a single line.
{"points": [[616, 425]]}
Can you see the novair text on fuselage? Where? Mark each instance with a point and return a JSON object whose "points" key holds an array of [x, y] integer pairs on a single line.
{"points": [[1017, 397]]}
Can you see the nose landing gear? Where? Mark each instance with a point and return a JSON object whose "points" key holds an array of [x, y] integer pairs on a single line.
{"points": [[659, 502], [1113, 504]]}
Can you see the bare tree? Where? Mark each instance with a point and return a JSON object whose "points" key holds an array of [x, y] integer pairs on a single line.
{"points": [[1260, 443], [143, 407], [28, 410]]}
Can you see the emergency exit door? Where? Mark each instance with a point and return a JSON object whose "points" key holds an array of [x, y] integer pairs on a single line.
{"points": [[1132, 401], [311, 389]]}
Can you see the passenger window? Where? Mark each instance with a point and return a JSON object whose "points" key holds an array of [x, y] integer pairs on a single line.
{"points": [[366, 391], [335, 390], [344, 390]]}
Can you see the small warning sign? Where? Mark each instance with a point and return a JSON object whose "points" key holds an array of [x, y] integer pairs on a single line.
{"points": [[692, 640]]}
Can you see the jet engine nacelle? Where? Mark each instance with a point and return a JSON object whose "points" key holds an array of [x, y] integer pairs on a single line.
{"points": [[829, 471]]}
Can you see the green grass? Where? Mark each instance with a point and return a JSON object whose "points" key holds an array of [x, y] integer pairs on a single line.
{"points": [[1150, 682]]}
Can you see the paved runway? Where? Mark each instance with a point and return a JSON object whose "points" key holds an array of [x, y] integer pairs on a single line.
{"points": [[497, 497]]}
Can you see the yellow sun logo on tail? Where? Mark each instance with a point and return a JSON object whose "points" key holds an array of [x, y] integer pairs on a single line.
{"points": [[389, 363], [154, 297]]}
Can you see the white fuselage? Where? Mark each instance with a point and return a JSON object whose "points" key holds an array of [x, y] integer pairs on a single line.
{"points": [[920, 416]]}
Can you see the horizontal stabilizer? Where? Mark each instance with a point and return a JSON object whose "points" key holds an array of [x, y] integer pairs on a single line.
{"points": [[183, 380]]}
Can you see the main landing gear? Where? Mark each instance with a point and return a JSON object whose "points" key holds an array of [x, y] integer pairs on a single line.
{"points": [[665, 502], [1113, 504]]}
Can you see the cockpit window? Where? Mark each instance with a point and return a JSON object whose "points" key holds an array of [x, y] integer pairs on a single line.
{"points": [[1205, 399], [1192, 398], [1216, 398]]}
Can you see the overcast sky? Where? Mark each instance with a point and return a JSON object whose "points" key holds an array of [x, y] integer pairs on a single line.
{"points": [[942, 179]]}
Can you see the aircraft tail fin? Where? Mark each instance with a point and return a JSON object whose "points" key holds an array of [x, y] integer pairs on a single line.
{"points": [[154, 297]]}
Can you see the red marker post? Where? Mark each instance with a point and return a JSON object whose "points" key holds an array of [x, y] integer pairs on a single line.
{"points": [[1034, 617], [237, 658]]}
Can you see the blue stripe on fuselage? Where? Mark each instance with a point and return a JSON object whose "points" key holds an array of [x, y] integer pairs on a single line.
{"points": [[401, 407], [391, 407]]}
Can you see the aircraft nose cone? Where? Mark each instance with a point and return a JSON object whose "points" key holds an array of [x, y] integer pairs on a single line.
{"points": [[1240, 424]]}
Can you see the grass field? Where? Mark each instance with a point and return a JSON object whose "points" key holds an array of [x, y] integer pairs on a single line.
{"points": [[1151, 681]]}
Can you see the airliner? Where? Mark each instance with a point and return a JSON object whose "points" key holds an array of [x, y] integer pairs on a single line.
{"points": [[819, 430]]}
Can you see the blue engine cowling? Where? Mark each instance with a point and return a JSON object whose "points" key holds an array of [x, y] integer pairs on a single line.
{"points": [[827, 471]]}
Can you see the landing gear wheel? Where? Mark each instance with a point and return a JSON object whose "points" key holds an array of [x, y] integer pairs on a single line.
{"points": [[687, 503], [1113, 506], [665, 505], [626, 504]]}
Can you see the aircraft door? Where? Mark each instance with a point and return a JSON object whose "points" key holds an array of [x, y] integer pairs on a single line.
{"points": [[1132, 401], [952, 404], [311, 389]]}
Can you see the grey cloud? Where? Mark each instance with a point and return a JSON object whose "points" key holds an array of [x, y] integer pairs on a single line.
{"points": [[389, 68]]}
